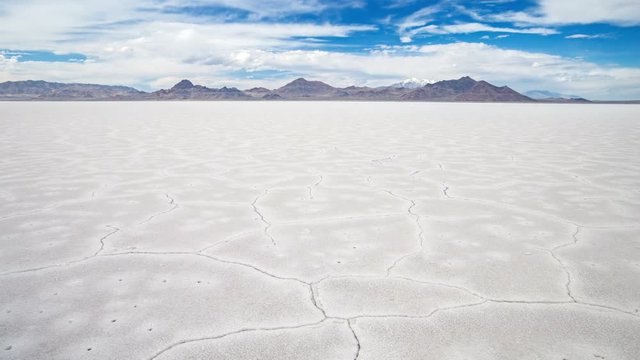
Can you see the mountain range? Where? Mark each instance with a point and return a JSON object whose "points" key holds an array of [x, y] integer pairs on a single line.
{"points": [[463, 89]]}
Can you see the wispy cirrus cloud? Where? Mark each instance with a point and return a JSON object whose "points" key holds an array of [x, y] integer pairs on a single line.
{"points": [[436, 20], [587, 36], [257, 9], [468, 28], [542, 18], [563, 12]]}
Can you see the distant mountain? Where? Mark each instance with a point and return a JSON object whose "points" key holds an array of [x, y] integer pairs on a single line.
{"points": [[385, 93], [43, 90], [258, 92], [302, 88], [463, 89], [544, 94], [441, 90], [271, 96], [412, 83], [183, 85], [554, 97], [483, 91], [568, 101], [185, 90]]}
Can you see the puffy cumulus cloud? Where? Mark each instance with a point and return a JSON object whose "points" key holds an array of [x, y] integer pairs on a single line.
{"points": [[173, 42], [562, 12], [381, 66], [6, 58], [187, 40], [7, 66]]}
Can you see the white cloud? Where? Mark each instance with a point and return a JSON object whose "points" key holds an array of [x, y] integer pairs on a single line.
{"points": [[6, 61], [419, 18], [45, 24], [425, 21], [539, 19], [181, 38], [476, 27], [497, 37], [562, 12], [270, 8], [392, 4], [585, 36], [495, 2]]}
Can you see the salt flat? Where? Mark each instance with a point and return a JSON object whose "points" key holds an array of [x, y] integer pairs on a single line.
{"points": [[294, 230]]}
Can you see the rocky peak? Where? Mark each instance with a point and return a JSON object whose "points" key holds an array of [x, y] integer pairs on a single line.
{"points": [[183, 85]]}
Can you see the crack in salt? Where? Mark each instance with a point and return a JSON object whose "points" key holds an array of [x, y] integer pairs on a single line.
{"points": [[315, 185], [445, 190], [433, 312], [227, 240], [314, 299], [355, 336], [566, 271], [172, 205], [262, 218], [97, 253], [380, 161], [562, 264], [419, 226], [574, 236], [244, 330], [102, 239]]}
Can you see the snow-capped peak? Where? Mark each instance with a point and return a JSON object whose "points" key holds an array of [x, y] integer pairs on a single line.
{"points": [[413, 83]]}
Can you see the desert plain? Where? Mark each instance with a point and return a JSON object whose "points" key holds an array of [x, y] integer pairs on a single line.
{"points": [[319, 230]]}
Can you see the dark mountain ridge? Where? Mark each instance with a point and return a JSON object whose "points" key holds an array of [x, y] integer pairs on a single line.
{"points": [[185, 90], [43, 90], [303, 88]]}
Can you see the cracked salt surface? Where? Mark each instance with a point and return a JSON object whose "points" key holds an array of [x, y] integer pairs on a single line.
{"points": [[319, 231]]}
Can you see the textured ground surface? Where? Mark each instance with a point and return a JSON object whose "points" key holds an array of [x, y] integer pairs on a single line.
{"points": [[319, 231]]}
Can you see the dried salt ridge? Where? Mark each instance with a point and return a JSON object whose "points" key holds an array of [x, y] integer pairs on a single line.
{"points": [[333, 230], [464, 89]]}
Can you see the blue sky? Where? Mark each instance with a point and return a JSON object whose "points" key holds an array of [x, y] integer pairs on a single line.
{"points": [[585, 47]]}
